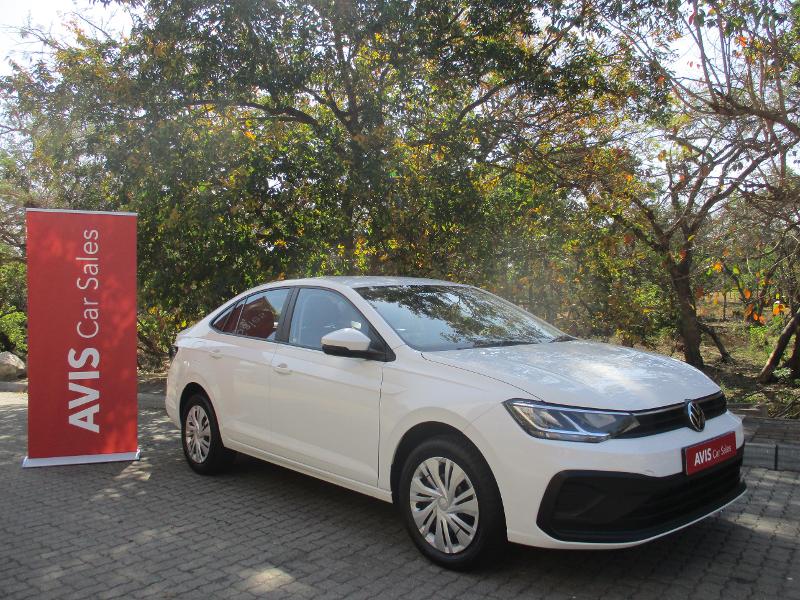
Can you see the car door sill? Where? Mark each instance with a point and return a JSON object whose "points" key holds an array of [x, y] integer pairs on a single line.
{"points": [[344, 482]]}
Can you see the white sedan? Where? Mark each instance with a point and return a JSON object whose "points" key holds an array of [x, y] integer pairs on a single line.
{"points": [[480, 421]]}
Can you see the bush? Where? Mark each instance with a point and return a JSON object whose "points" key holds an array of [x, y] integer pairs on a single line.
{"points": [[13, 322], [14, 333]]}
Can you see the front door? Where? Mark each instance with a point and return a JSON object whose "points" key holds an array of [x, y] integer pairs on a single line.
{"points": [[324, 408]]}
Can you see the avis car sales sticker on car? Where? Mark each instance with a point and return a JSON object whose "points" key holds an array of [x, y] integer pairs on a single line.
{"points": [[709, 453]]}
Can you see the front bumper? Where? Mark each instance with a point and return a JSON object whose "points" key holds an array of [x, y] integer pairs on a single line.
{"points": [[637, 490], [598, 506]]}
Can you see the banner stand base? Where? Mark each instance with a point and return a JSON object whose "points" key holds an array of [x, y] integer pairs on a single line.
{"points": [[54, 461]]}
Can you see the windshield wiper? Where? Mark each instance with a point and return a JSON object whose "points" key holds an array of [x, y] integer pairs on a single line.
{"points": [[562, 338], [490, 343]]}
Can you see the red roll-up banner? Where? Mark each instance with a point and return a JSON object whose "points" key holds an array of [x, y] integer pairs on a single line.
{"points": [[81, 337]]}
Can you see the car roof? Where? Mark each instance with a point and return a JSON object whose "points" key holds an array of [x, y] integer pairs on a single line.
{"points": [[359, 281]]}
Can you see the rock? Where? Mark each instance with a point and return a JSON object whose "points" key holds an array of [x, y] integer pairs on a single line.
{"points": [[11, 366]]}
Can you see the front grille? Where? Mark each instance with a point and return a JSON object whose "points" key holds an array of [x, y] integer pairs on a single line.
{"points": [[598, 506], [674, 417]]}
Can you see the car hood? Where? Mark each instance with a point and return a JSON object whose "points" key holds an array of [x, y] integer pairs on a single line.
{"points": [[586, 374]]}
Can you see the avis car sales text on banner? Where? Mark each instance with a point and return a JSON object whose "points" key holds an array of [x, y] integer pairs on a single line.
{"points": [[81, 337]]}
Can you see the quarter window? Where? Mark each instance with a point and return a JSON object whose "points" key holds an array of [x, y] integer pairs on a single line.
{"points": [[226, 322], [318, 312], [261, 314]]}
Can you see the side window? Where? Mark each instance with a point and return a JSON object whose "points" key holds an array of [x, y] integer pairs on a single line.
{"points": [[261, 315], [226, 322], [318, 312]]}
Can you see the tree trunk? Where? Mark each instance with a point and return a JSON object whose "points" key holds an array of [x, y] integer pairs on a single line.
{"points": [[794, 362], [725, 305], [688, 325], [783, 341], [723, 352]]}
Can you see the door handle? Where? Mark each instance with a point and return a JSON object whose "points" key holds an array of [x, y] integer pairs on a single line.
{"points": [[216, 354], [282, 368]]}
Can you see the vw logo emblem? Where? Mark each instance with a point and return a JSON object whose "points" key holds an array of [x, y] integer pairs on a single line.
{"points": [[696, 416]]}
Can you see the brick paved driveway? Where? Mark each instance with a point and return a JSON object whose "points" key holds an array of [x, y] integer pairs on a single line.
{"points": [[155, 529]]}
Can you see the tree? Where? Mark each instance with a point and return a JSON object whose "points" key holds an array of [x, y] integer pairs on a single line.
{"points": [[302, 137], [730, 131]]}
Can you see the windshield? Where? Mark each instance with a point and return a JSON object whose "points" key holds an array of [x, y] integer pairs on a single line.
{"points": [[448, 317]]}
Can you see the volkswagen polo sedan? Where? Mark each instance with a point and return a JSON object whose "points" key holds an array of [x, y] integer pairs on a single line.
{"points": [[481, 422]]}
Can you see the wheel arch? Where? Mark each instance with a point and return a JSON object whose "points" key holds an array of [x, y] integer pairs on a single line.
{"points": [[188, 391], [415, 436]]}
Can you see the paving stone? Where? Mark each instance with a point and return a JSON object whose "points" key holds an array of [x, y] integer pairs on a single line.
{"points": [[789, 457], [155, 529], [760, 455]]}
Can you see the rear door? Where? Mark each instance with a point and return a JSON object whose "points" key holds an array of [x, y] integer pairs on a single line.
{"points": [[325, 409], [250, 358], [214, 360]]}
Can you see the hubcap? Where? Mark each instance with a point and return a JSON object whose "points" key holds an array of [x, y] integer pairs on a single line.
{"points": [[198, 434], [444, 505]]}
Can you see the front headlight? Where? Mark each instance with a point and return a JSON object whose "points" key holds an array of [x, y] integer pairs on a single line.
{"points": [[569, 424]]}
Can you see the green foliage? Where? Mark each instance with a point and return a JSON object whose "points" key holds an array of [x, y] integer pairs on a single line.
{"points": [[784, 375], [761, 339], [13, 332], [495, 143], [156, 331], [13, 322]]}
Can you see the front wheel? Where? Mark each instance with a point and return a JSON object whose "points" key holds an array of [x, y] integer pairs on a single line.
{"points": [[202, 444], [451, 504]]}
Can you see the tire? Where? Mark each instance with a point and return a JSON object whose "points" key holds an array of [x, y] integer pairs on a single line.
{"points": [[456, 522], [202, 444]]}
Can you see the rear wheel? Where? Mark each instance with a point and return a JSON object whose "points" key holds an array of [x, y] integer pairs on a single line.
{"points": [[451, 504], [202, 444]]}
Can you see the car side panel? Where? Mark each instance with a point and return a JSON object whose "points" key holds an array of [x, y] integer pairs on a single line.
{"points": [[190, 366], [418, 391], [322, 474], [176, 376]]}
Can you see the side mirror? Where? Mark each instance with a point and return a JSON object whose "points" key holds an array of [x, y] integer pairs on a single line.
{"points": [[351, 342], [348, 342]]}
